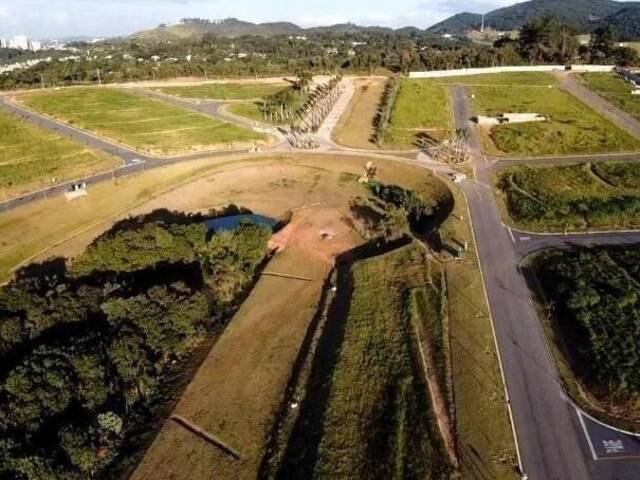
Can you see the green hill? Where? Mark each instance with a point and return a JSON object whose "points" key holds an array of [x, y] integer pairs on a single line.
{"points": [[583, 14]]}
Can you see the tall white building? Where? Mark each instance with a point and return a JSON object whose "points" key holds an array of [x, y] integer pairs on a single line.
{"points": [[20, 42], [4, 43]]}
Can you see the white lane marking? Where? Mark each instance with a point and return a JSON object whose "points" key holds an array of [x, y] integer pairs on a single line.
{"points": [[513, 239], [524, 239], [586, 434]]}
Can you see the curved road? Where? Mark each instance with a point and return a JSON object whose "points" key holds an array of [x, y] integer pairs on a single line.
{"points": [[551, 432], [556, 441]]}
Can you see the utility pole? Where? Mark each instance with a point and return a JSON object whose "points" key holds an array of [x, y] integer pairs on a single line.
{"points": [[42, 81], [482, 27], [99, 79]]}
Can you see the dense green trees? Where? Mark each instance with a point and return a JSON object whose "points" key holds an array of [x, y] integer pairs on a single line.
{"points": [[82, 352], [595, 293]]}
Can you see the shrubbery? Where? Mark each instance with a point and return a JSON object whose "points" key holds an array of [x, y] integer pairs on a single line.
{"points": [[383, 116], [83, 351], [596, 298]]}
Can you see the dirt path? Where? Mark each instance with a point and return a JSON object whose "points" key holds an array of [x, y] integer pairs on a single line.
{"points": [[236, 393]]}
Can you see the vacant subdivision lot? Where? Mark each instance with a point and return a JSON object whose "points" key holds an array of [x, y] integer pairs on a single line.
{"points": [[422, 108], [225, 91], [572, 127], [355, 128], [31, 158], [582, 197], [614, 89], [590, 304], [142, 123]]}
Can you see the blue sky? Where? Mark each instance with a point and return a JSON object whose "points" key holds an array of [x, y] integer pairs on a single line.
{"points": [[61, 18]]}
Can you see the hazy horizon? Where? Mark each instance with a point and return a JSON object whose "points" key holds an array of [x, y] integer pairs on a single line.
{"points": [[41, 19]]}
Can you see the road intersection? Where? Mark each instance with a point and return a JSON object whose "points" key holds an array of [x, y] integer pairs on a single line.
{"points": [[556, 440]]}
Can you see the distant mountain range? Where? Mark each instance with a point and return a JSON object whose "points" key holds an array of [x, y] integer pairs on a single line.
{"points": [[585, 15], [232, 27]]}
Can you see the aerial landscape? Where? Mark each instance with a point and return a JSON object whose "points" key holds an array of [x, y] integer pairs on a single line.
{"points": [[305, 241]]}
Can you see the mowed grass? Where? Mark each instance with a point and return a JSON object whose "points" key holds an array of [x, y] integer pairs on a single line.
{"points": [[355, 128], [250, 110], [573, 128], [32, 157], [523, 79], [378, 422], [142, 123], [614, 89], [422, 107], [577, 197], [225, 91]]}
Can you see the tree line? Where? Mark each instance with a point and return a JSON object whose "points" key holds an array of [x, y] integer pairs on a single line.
{"points": [[543, 40]]}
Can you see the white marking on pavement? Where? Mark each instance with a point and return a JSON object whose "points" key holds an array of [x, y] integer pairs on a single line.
{"points": [[524, 239], [513, 239], [586, 434]]}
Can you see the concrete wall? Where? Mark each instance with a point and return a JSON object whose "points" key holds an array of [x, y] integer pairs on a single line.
{"points": [[520, 69]]}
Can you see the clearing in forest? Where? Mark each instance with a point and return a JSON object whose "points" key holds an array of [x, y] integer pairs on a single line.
{"points": [[142, 123]]}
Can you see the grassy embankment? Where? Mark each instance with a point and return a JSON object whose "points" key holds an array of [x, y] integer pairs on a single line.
{"points": [[355, 127], [142, 123], [589, 310], [614, 89], [483, 431], [422, 108], [32, 158], [573, 128], [378, 421], [597, 196]]}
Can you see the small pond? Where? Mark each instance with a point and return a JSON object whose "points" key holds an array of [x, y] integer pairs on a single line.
{"points": [[233, 222]]}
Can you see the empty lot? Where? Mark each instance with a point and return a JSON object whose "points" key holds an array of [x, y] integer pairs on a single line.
{"points": [[142, 123], [31, 158]]}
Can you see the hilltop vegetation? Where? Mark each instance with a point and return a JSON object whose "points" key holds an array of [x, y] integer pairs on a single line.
{"points": [[85, 350], [583, 15]]}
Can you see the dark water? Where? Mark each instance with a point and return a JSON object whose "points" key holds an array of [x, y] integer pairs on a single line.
{"points": [[234, 221]]}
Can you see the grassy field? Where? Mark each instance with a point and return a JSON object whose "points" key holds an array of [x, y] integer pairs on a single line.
{"points": [[573, 128], [250, 110], [355, 128], [225, 91], [142, 123], [519, 79], [572, 198], [614, 89], [378, 422], [589, 310], [485, 441], [32, 158], [423, 107]]}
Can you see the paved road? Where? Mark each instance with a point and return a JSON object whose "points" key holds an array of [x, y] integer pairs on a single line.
{"points": [[552, 441], [550, 432]]}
